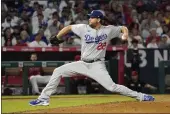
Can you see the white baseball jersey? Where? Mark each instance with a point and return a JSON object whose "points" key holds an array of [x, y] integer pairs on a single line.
{"points": [[94, 42]]}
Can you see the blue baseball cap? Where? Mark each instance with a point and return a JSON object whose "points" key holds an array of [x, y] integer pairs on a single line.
{"points": [[96, 14]]}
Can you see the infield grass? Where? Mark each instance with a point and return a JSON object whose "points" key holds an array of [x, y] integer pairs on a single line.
{"points": [[20, 103]]}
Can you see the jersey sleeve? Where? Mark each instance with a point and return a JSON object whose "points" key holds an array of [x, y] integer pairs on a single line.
{"points": [[78, 29], [115, 31]]}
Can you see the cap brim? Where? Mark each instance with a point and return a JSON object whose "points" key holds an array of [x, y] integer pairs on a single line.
{"points": [[90, 16]]}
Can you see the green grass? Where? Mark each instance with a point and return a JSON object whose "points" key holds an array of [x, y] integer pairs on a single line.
{"points": [[20, 105], [64, 96]]}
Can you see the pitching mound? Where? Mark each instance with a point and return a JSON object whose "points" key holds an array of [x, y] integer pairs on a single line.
{"points": [[117, 107]]}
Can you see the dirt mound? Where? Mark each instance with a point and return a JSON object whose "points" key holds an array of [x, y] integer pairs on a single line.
{"points": [[116, 107]]}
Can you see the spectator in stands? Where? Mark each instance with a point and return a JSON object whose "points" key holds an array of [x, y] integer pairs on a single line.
{"points": [[112, 6], [54, 17], [129, 14], [167, 17], [47, 33], [165, 29], [38, 40], [135, 44], [36, 22], [153, 35], [143, 16], [24, 15], [39, 11], [153, 43], [16, 32], [66, 18], [27, 9], [2, 37], [25, 26], [163, 43], [15, 19], [135, 35], [9, 39], [54, 28], [135, 84], [109, 19], [160, 19], [4, 10], [168, 34], [35, 6], [116, 13], [139, 6], [134, 25], [43, 38], [54, 24], [49, 10], [135, 60], [62, 4], [147, 25], [25, 38], [7, 22], [81, 19], [102, 8], [69, 41], [72, 40], [35, 76], [134, 16]]}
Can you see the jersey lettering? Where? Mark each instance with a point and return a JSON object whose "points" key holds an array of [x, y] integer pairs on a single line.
{"points": [[101, 46], [90, 39]]}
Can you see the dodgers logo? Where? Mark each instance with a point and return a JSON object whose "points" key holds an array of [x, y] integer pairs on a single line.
{"points": [[90, 39]]}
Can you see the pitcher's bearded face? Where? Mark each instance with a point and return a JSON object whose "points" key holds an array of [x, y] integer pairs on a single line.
{"points": [[93, 22]]}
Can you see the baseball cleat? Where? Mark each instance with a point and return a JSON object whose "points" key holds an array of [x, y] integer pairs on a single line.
{"points": [[148, 98], [38, 102]]}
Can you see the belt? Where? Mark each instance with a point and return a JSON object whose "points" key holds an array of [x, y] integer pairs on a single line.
{"points": [[91, 61]]}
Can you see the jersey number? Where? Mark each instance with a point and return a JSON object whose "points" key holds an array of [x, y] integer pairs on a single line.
{"points": [[101, 46]]}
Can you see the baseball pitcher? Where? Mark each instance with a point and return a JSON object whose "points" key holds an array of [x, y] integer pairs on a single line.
{"points": [[94, 40]]}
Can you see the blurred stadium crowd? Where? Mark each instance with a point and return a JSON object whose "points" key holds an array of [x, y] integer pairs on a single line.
{"points": [[32, 22]]}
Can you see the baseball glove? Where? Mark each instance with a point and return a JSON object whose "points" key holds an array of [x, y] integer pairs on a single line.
{"points": [[55, 41]]}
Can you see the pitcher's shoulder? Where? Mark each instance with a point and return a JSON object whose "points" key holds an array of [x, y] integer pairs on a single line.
{"points": [[113, 27], [80, 24], [109, 26], [85, 25]]}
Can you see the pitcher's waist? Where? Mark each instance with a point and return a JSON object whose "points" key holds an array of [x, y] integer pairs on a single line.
{"points": [[94, 60]]}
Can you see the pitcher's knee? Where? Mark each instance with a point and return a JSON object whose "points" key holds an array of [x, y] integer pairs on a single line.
{"points": [[113, 88], [32, 78], [57, 71], [60, 71], [110, 88]]}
